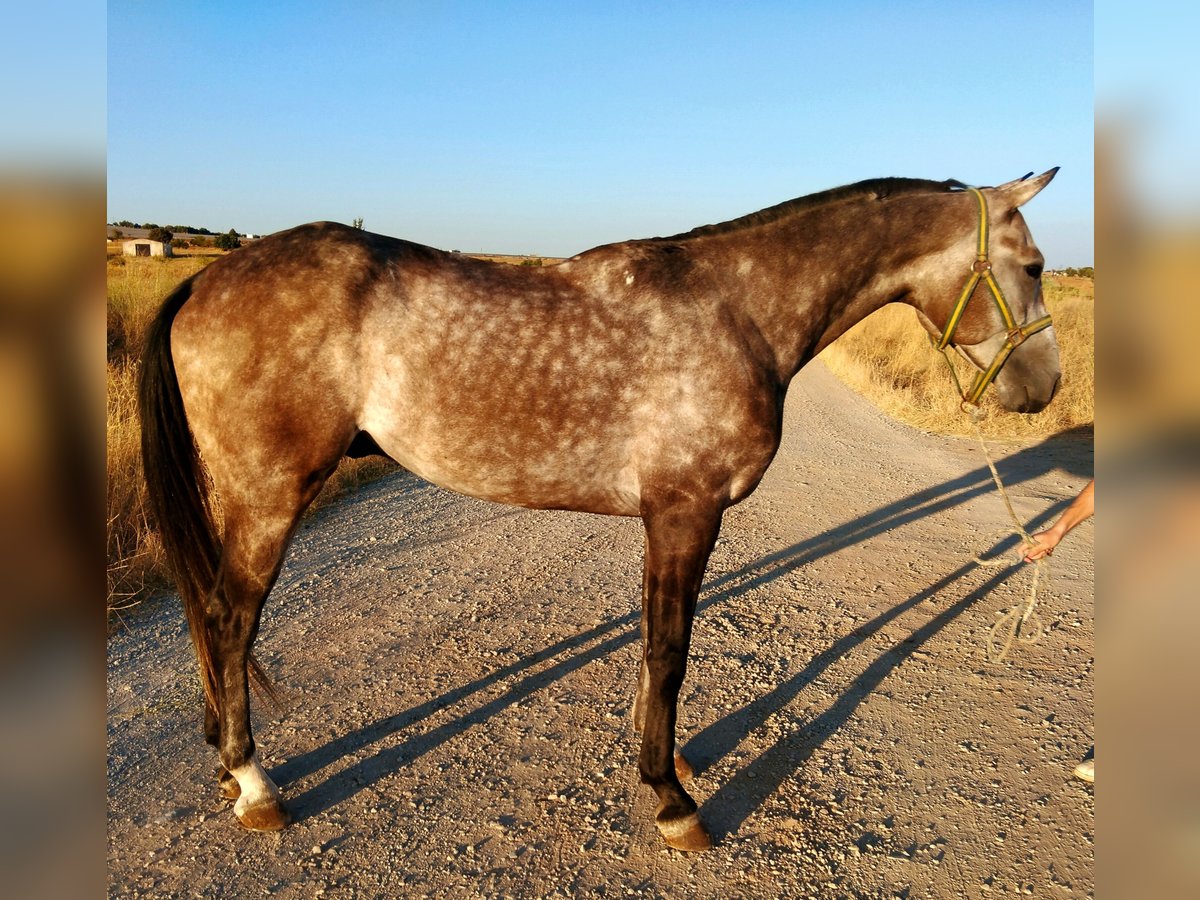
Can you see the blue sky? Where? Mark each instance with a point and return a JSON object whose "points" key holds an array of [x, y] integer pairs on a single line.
{"points": [[550, 128]]}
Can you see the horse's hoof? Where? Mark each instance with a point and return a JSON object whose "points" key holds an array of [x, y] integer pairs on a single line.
{"points": [[269, 815], [230, 789], [683, 768], [685, 834]]}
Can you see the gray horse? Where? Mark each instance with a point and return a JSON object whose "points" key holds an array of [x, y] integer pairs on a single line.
{"points": [[644, 378]]}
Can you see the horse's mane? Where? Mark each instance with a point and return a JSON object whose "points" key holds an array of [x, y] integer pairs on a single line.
{"points": [[872, 188]]}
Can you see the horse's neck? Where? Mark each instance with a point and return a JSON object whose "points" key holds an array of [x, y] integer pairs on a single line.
{"points": [[806, 286]]}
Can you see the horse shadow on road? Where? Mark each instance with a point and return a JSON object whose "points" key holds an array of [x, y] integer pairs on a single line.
{"points": [[735, 800]]}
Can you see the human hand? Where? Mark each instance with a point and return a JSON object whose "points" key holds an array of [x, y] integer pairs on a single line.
{"points": [[1043, 544]]}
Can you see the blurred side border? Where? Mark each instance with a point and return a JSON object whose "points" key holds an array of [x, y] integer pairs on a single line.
{"points": [[52, 821], [1147, 839]]}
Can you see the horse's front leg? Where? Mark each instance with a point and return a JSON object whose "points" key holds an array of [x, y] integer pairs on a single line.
{"points": [[679, 539], [683, 769]]}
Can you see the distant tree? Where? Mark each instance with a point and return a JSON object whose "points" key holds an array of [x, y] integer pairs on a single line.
{"points": [[187, 229], [229, 240], [357, 223], [160, 234], [116, 234], [182, 245]]}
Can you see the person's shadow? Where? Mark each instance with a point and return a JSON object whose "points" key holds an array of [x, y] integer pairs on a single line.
{"points": [[734, 801]]}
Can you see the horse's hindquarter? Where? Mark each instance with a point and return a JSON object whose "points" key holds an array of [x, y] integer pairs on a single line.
{"points": [[265, 352], [553, 389]]}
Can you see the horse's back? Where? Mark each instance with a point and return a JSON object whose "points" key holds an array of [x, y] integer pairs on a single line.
{"points": [[509, 383]]}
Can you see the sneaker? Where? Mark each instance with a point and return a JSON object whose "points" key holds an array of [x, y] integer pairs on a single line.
{"points": [[1086, 771]]}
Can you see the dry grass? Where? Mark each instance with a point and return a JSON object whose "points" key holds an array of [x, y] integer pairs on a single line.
{"points": [[136, 563], [888, 359], [514, 260], [135, 289]]}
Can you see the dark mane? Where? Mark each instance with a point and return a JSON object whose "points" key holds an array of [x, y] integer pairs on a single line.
{"points": [[876, 188]]}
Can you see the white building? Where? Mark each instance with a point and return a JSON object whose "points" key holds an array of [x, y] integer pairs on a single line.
{"points": [[146, 247]]}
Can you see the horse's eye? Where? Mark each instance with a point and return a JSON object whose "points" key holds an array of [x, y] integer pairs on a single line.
{"points": [[1033, 270]]}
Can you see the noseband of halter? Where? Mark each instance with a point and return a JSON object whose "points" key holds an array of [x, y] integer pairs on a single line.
{"points": [[982, 268]]}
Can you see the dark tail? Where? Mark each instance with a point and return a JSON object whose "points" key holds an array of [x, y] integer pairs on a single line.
{"points": [[178, 491]]}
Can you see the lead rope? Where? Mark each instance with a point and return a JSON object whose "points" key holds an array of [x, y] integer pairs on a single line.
{"points": [[1021, 623]]}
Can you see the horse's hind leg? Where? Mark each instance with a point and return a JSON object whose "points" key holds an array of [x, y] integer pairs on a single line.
{"points": [[255, 540], [227, 784]]}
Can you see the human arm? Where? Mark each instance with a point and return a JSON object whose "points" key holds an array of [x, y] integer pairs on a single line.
{"points": [[1081, 508]]}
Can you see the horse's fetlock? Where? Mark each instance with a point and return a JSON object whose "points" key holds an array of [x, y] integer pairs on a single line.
{"points": [[236, 754]]}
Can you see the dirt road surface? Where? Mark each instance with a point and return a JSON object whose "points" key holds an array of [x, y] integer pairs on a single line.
{"points": [[459, 678]]}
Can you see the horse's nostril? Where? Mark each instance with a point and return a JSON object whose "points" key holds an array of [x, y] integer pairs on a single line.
{"points": [[1054, 389]]}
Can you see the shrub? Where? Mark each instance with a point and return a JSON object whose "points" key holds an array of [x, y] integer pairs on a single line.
{"points": [[228, 241]]}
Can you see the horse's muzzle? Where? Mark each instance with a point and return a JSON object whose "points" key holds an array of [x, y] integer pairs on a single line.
{"points": [[1023, 399]]}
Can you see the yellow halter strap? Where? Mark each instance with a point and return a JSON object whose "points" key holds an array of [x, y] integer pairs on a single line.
{"points": [[1016, 334]]}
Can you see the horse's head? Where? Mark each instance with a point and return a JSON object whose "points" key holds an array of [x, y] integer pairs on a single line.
{"points": [[982, 271]]}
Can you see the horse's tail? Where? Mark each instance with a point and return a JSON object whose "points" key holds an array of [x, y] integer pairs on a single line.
{"points": [[178, 491]]}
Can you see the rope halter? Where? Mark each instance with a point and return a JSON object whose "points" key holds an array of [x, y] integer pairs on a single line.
{"points": [[1016, 334]]}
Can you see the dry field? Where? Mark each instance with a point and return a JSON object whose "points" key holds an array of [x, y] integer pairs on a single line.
{"points": [[135, 288], [888, 358]]}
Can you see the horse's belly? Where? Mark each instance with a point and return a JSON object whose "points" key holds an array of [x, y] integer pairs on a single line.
{"points": [[538, 478]]}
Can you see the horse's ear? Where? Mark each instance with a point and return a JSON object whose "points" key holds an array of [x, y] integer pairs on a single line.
{"points": [[1021, 191]]}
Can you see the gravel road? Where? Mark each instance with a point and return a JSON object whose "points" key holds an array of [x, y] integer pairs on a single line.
{"points": [[458, 678]]}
